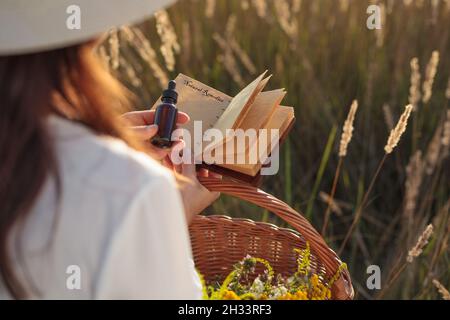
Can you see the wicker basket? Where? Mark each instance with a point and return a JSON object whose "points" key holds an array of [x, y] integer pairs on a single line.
{"points": [[218, 242]]}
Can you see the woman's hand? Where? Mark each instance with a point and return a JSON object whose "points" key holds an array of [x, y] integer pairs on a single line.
{"points": [[142, 124], [195, 196]]}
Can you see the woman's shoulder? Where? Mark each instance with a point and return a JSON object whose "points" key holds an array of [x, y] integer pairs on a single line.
{"points": [[102, 162]]}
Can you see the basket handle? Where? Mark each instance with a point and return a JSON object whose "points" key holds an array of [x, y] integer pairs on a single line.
{"points": [[342, 288]]}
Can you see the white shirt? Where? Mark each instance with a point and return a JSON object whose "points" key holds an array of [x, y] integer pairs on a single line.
{"points": [[119, 226]]}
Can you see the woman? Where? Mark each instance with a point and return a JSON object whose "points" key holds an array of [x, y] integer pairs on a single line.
{"points": [[84, 214]]}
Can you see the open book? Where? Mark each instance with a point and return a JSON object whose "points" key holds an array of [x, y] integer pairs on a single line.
{"points": [[258, 113]]}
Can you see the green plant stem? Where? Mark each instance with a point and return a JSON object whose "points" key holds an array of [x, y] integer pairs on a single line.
{"points": [[332, 193], [323, 164], [288, 172], [265, 216], [362, 205]]}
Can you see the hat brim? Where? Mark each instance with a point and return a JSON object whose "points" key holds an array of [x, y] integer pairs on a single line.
{"points": [[35, 26]]}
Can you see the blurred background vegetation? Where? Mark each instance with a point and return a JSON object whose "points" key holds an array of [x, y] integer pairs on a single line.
{"points": [[322, 52]]}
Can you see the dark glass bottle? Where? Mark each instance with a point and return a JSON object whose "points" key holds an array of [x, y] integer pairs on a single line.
{"points": [[166, 117]]}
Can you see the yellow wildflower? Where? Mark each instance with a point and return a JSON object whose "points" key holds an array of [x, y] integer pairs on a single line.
{"points": [[301, 295], [315, 280], [287, 296], [302, 285], [230, 295], [337, 275], [303, 260]]}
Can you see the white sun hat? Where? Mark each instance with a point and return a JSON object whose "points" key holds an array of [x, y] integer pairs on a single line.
{"points": [[39, 25]]}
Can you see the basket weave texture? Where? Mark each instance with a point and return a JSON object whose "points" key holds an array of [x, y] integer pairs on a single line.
{"points": [[219, 242]]}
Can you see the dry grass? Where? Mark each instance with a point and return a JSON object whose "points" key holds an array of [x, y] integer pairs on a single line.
{"points": [[430, 74], [398, 131], [347, 130], [414, 89], [444, 292], [420, 244]]}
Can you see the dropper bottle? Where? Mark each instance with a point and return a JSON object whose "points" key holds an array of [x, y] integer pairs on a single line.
{"points": [[166, 117]]}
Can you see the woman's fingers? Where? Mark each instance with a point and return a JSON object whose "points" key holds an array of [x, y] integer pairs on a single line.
{"points": [[205, 173], [183, 118], [147, 117], [161, 154], [145, 133], [189, 170], [196, 197], [136, 118]]}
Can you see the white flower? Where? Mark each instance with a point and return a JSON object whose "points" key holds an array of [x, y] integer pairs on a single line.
{"points": [[278, 292], [257, 287]]}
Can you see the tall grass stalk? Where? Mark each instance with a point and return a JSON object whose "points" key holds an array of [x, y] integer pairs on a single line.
{"points": [[361, 207], [331, 198], [413, 254], [288, 172], [346, 137], [321, 171], [392, 142]]}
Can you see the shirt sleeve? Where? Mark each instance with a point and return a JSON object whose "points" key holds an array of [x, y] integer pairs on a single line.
{"points": [[150, 256]]}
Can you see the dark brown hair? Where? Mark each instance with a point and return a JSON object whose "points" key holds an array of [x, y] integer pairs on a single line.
{"points": [[70, 82]]}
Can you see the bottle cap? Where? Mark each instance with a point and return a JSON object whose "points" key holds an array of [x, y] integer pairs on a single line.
{"points": [[171, 92]]}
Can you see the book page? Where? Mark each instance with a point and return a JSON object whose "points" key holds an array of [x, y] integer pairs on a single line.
{"points": [[200, 102], [262, 109], [237, 108], [281, 119], [259, 114], [237, 105]]}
